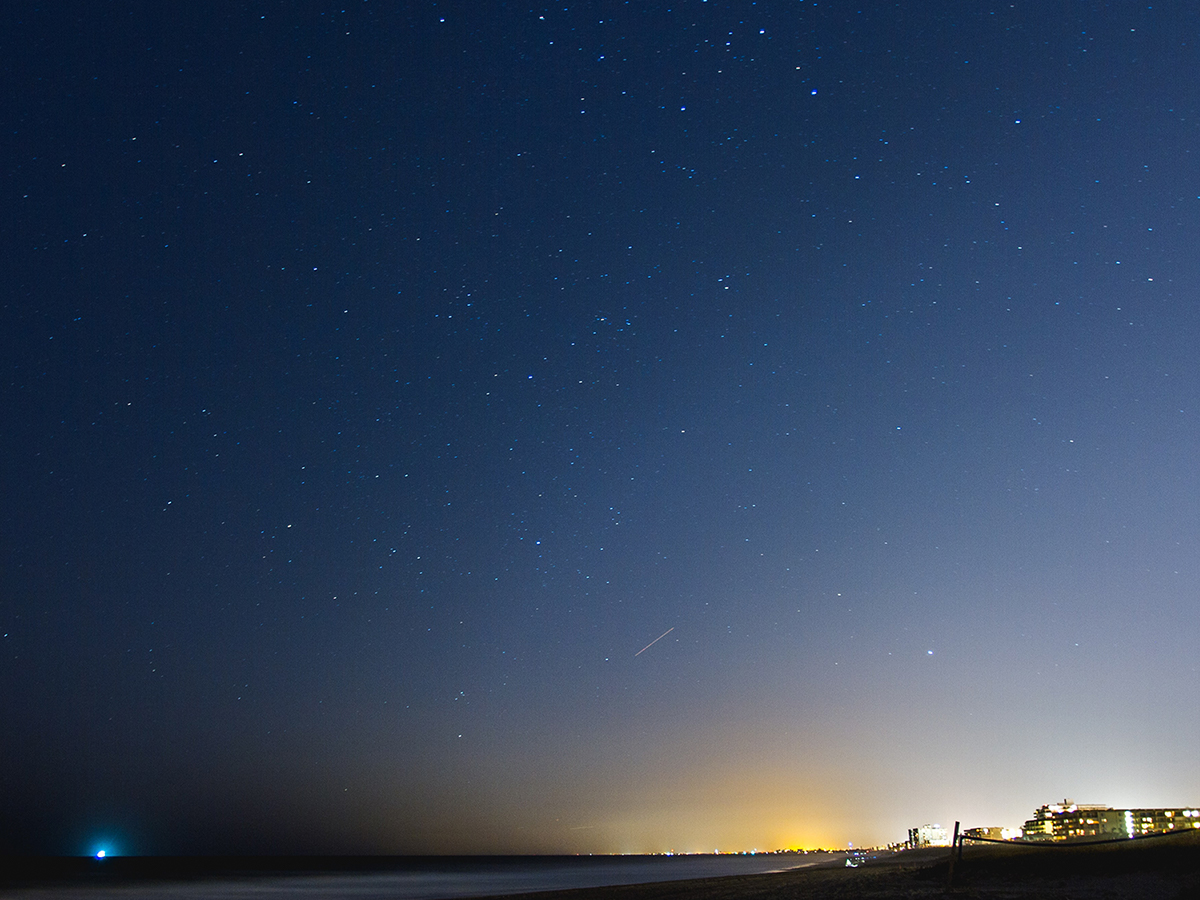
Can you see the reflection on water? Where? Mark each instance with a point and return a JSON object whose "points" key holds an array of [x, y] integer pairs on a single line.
{"points": [[439, 880]]}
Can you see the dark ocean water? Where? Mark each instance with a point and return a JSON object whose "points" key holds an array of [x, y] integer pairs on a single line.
{"points": [[437, 879]]}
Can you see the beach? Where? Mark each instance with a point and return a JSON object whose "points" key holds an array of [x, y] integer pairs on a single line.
{"points": [[1167, 869], [1164, 869]]}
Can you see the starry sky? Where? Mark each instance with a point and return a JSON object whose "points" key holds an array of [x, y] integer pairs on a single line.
{"points": [[607, 427]]}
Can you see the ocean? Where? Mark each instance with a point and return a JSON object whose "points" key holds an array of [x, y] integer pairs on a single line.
{"points": [[431, 878]]}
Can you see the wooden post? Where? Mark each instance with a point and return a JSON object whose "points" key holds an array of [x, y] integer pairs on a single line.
{"points": [[953, 852]]}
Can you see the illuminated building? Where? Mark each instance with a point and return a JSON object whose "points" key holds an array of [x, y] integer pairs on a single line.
{"points": [[928, 836], [1150, 821], [988, 833], [1069, 821]]}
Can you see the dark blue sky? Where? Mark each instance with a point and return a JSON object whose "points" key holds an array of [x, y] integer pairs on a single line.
{"points": [[380, 378]]}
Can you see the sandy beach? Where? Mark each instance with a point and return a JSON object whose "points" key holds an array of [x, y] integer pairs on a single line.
{"points": [[1166, 869]]}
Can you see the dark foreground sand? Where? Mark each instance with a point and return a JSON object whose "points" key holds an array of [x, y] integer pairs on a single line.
{"points": [[1165, 868], [1160, 869]]}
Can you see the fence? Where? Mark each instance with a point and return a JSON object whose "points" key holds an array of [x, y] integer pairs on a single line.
{"points": [[956, 845]]}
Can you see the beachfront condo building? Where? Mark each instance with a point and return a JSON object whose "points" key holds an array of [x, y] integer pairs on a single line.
{"points": [[928, 836], [1070, 821], [990, 833]]}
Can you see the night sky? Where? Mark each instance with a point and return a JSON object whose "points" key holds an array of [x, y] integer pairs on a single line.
{"points": [[380, 380]]}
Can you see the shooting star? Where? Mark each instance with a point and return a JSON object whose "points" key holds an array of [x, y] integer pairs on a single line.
{"points": [[655, 641]]}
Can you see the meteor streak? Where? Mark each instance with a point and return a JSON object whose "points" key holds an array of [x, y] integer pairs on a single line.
{"points": [[655, 641]]}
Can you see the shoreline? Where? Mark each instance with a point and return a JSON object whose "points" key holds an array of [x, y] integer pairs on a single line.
{"points": [[1168, 868], [1164, 869], [470, 876]]}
